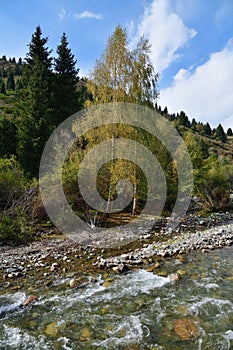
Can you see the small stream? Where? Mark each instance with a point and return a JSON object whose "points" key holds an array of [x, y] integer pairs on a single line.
{"points": [[137, 310]]}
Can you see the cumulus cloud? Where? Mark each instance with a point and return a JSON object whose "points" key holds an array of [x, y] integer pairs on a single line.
{"points": [[165, 31], [88, 14], [205, 93]]}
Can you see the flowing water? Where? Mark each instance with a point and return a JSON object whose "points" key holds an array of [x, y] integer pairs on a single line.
{"points": [[137, 310]]}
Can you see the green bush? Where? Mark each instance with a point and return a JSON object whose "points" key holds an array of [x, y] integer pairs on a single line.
{"points": [[15, 228], [12, 182]]}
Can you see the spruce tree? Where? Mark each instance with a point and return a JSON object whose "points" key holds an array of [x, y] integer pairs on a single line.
{"points": [[2, 87], [18, 85], [7, 136], [17, 69], [207, 129], [10, 85], [229, 132], [66, 79], [33, 109], [220, 134]]}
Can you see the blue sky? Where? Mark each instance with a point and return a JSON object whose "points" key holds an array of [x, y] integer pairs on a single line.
{"points": [[192, 43]]}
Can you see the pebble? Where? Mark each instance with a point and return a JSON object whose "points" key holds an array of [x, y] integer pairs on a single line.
{"points": [[54, 267], [33, 256], [209, 239]]}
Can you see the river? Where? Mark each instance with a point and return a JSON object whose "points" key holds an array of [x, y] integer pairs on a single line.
{"points": [[136, 310]]}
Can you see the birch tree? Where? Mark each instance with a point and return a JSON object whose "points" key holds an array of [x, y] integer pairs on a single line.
{"points": [[123, 75]]}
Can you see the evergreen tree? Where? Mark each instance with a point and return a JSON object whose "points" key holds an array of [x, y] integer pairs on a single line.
{"points": [[165, 111], [182, 119], [7, 136], [229, 132], [10, 85], [66, 79], [17, 69], [83, 93], [4, 73], [2, 87], [207, 129], [33, 109], [18, 85], [220, 134]]}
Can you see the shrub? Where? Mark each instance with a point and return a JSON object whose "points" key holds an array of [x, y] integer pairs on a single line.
{"points": [[15, 228], [12, 182]]}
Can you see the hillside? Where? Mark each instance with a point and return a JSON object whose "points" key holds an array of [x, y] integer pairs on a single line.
{"points": [[10, 73], [211, 140], [222, 149]]}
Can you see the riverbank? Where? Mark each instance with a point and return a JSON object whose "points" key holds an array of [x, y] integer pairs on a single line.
{"points": [[44, 262]]}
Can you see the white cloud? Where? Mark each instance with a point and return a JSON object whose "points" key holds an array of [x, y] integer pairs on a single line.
{"points": [[228, 122], [181, 75], [166, 33], [88, 14], [62, 13], [205, 93], [130, 28]]}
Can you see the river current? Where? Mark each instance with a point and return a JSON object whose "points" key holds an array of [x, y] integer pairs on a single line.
{"points": [[136, 310]]}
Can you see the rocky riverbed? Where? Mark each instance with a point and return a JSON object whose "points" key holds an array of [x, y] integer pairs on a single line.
{"points": [[209, 239], [44, 262]]}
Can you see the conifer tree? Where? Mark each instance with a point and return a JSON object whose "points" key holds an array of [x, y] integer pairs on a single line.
{"points": [[17, 69], [66, 79], [10, 85], [193, 124], [229, 132], [220, 134], [33, 109], [207, 129], [2, 87], [7, 136], [18, 85]]}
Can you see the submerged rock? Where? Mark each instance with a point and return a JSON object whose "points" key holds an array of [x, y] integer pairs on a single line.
{"points": [[51, 329], [29, 300], [174, 277], [186, 329], [78, 282], [85, 334], [181, 272]]}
